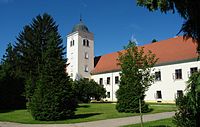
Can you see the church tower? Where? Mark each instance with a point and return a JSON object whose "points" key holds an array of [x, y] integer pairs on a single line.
{"points": [[80, 52]]}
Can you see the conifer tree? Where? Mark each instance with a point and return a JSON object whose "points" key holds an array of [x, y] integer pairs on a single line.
{"points": [[53, 99], [11, 83], [40, 57]]}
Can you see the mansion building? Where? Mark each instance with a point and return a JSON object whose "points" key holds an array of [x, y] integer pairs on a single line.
{"points": [[177, 60]]}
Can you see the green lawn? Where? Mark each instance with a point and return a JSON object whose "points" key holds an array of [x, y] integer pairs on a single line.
{"points": [[158, 123], [85, 112]]}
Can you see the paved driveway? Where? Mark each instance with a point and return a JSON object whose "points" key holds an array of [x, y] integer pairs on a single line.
{"points": [[101, 123]]}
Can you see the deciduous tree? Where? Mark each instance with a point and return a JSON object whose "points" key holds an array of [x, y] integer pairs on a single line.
{"points": [[136, 65], [188, 10]]}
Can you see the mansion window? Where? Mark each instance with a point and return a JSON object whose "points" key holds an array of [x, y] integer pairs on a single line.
{"points": [[116, 79], [101, 81], [86, 68], [158, 76], [86, 55], [192, 70], [178, 74], [158, 95], [179, 93], [108, 94], [108, 80], [71, 74]]}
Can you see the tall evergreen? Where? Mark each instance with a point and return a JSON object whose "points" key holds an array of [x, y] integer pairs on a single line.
{"points": [[48, 87], [11, 83], [53, 99]]}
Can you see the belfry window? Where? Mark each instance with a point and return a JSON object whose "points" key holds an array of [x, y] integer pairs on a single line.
{"points": [[84, 42], [88, 44], [71, 43]]}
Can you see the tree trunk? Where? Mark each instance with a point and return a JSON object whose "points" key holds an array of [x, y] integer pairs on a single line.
{"points": [[140, 108]]}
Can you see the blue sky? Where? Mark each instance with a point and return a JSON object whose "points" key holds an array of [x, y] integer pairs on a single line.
{"points": [[113, 22]]}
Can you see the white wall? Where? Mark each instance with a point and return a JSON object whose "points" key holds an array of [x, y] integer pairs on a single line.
{"points": [[112, 87], [168, 84]]}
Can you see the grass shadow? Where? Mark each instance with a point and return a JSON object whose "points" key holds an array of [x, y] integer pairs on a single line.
{"points": [[150, 109], [83, 106], [6, 110], [85, 115], [160, 126]]}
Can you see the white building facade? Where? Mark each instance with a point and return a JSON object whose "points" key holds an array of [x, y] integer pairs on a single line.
{"points": [[177, 61]]}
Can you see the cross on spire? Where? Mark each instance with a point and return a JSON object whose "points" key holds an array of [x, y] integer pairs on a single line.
{"points": [[80, 18]]}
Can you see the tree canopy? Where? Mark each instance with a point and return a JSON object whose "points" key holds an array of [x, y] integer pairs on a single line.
{"points": [[188, 113], [86, 89], [188, 10], [135, 79]]}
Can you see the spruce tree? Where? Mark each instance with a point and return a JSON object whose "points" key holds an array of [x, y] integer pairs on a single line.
{"points": [[135, 78], [53, 99], [11, 83], [40, 57]]}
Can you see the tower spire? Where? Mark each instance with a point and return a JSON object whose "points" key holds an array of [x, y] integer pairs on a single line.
{"points": [[80, 18]]}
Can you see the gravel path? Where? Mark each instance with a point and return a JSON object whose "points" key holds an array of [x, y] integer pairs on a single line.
{"points": [[101, 123]]}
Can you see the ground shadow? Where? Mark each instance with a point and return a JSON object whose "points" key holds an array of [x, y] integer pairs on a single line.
{"points": [[83, 106], [85, 115], [6, 110], [150, 109], [160, 126]]}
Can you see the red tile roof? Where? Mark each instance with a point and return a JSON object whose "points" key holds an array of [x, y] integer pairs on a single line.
{"points": [[167, 51]]}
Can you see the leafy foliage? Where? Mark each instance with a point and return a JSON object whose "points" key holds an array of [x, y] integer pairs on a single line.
{"points": [[135, 74], [188, 10], [188, 113], [48, 87], [11, 84], [86, 89]]}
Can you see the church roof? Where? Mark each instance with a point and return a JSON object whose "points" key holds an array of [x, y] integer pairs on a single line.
{"points": [[168, 51], [80, 27]]}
